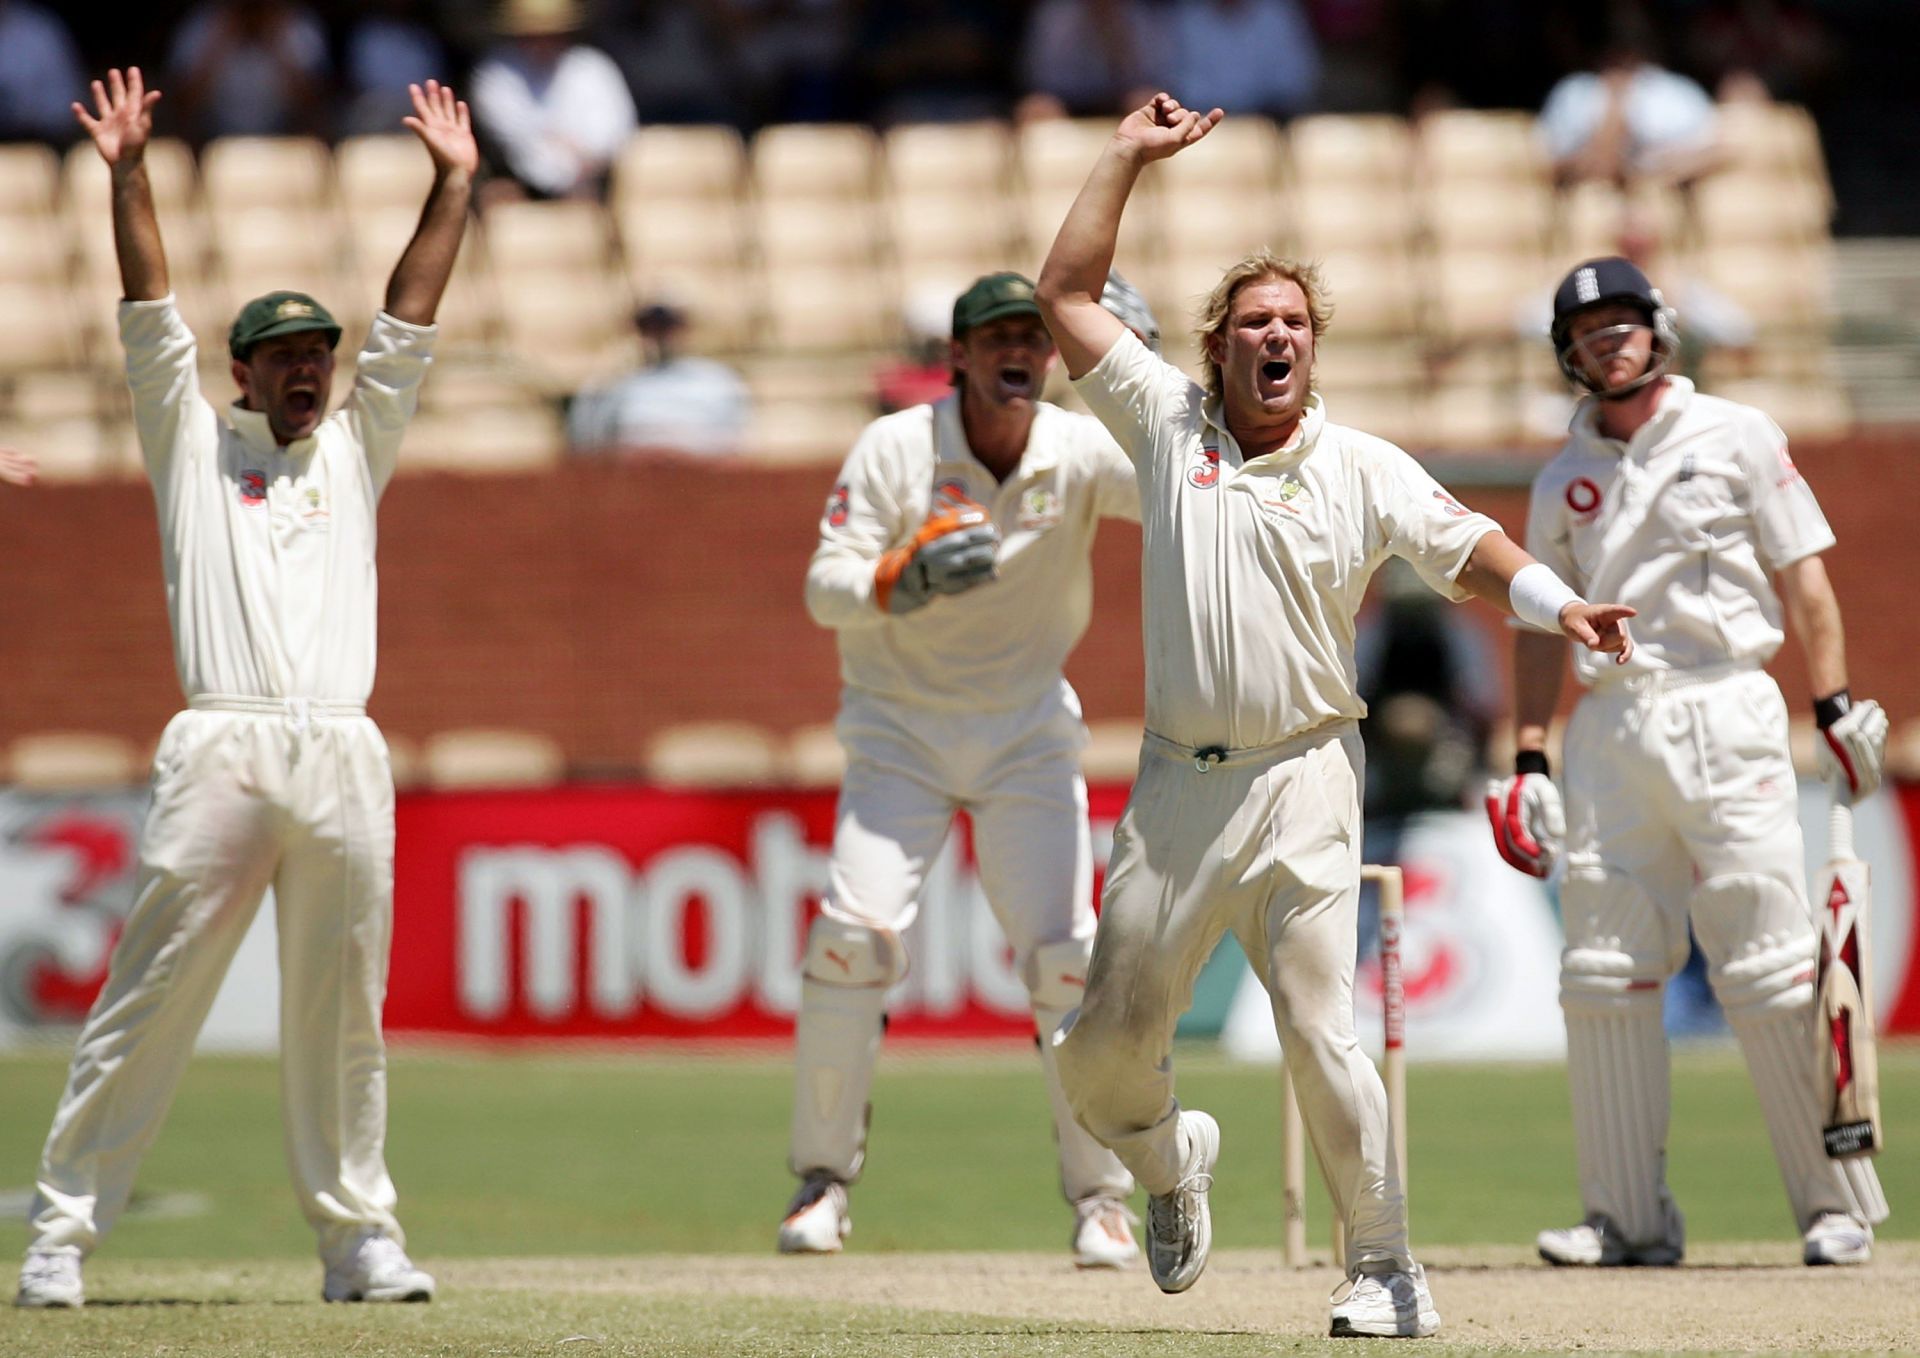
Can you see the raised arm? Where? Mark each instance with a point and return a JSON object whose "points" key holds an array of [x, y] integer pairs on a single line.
{"points": [[445, 127], [121, 125], [1075, 273]]}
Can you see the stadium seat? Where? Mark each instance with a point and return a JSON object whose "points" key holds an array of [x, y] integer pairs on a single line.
{"points": [[1591, 217], [1779, 139], [1395, 414], [825, 233], [476, 758], [1043, 207], [1369, 149], [29, 180], [32, 250], [683, 232], [814, 757], [1354, 216], [726, 312], [1774, 283], [827, 309], [1481, 297], [1490, 215], [485, 439], [72, 761], [1243, 155], [1472, 417], [951, 237], [713, 754], [1750, 209], [805, 432], [948, 160], [382, 171], [567, 331], [1804, 410], [1224, 225], [169, 170], [289, 173], [814, 162], [57, 394], [1481, 146], [67, 449], [1372, 291], [544, 239], [1345, 362], [661, 162], [54, 340]]}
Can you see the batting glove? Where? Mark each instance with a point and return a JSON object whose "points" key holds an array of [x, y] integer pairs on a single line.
{"points": [[955, 549], [1852, 748], [1529, 823]]}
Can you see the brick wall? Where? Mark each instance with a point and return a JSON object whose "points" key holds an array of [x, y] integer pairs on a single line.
{"points": [[602, 602]]}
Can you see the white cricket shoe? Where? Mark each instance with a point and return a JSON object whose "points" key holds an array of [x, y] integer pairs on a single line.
{"points": [[1103, 1234], [51, 1277], [817, 1219], [1596, 1243], [1179, 1226], [376, 1269], [1394, 1305], [1836, 1238]]}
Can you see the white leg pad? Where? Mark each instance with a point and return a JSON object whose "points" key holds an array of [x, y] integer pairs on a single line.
{"points": [[1056, 976], [1617, 1067], [1759, 936], [843, 998]]}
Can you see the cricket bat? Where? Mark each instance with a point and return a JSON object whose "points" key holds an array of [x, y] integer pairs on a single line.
{"points": [[1846, 1060]]}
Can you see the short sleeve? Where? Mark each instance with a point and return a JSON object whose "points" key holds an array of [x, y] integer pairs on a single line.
{"points": [[863, 518], [1421, 523], [1116, 484], [1787, 521], [1135, 394], [1548, 538]]}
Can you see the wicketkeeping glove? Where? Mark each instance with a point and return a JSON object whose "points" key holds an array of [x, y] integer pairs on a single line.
{"points": [[954, 550], [1529, 823], [1852, 745]]}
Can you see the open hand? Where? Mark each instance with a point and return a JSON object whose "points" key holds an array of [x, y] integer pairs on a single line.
{"points": [[124, 121], [1600, 627], [444, 125], [1162, 126]]}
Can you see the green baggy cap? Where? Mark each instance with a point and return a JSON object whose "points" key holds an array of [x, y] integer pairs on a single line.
{"points": [[278, 313], [990, 298]]}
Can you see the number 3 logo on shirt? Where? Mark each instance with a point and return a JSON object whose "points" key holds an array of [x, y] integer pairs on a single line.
{"points": [[1207, 475]]}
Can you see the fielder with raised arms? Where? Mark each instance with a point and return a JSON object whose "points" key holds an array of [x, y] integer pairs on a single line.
{"points": [[953, 567], [1262, 523], [1680, 795], [273, 775]]}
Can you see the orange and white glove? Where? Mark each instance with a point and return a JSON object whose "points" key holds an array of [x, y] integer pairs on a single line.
{"points": [[953, 551]]}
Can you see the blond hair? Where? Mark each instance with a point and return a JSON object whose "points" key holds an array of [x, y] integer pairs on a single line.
{"points": [[1262, 266]]}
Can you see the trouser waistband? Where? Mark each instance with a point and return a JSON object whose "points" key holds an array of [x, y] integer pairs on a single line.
{"points": [[1205, 757], [299, 713], [1649, 683]]}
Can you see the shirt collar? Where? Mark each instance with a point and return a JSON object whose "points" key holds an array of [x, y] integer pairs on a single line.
{"points": [[256, 433], [950, 440], [1673, 402], [1312, 421]]}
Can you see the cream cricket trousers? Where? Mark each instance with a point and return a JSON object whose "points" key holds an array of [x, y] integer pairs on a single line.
{"points": [[1017, 775], [298, 800], [1682, 808], [1265, 843]]}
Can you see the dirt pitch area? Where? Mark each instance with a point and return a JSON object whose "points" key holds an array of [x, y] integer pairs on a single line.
{"points": [[1727, 1298]]}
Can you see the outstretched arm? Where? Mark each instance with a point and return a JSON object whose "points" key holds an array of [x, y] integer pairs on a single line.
{"points": [[446, 129], [1497, 560], [121, 125], [1075, 273]]}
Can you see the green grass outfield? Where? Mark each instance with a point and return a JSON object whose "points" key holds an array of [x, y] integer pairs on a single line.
{"points": [[598, 1153]]}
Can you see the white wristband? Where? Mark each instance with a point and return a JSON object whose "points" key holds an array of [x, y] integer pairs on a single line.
{"points": [[1538, 596]]}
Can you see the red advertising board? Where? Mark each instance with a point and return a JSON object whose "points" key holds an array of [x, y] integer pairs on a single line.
{"points": [[639, 912]]}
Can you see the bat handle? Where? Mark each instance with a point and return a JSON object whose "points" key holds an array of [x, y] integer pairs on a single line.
{"points": [[1840, 825]]}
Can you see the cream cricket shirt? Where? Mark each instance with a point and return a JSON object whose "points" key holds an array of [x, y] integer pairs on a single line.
{"points": [[1686, 522], [998, 646], [269, 552], [1252, 571]]}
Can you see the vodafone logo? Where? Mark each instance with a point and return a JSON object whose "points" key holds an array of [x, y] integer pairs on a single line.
{"points": [[1583, 496]]}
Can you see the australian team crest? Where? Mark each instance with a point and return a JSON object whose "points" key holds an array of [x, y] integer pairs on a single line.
{"points": [[1287, 494], [1039, 508]]}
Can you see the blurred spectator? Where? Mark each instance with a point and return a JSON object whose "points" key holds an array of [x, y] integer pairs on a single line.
{"points": [[39, 75], [1630, 119], [389, 47], [933, 60], [793, 57], [1432, 687], [674, 55], [675, 403], [1084, 57], [250, 68], [1245, 56], [1783, 44], [552, 112], [923, 372]]}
